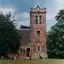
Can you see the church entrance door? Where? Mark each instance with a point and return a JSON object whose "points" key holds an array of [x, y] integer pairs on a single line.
{"points": [[27, 52]]}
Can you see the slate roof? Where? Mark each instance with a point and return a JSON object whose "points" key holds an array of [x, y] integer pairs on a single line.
{"points": [[24, 36]]}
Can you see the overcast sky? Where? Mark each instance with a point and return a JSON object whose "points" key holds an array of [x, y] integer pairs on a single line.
{"points": [[21, 10]]}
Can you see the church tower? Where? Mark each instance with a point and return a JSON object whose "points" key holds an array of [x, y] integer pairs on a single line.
{"points": [[38, 31]]}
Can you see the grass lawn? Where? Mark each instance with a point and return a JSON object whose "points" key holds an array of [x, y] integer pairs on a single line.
{"points": [[40, 61]]}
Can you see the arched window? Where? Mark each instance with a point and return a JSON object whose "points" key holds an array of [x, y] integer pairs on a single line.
{"points": [[38, 35], [40, 18], [21, 49], [38, 48], [36, 17]]}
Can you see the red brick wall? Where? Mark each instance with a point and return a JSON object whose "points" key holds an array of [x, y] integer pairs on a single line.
{"points": [[35, 27]]}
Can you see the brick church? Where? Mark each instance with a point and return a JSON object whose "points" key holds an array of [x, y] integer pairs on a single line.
{"points": [[33, 40]]}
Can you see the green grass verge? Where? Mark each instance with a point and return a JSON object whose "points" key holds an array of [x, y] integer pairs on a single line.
{"points": [[38, 61]]}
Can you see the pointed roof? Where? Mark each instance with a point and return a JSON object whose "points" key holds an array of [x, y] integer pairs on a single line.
{"points": [[37, 5]]}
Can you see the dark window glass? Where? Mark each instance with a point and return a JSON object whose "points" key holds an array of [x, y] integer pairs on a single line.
{"points": [[40, 18], [21, 50], [38, 35], [38, 48], [36, 19]]}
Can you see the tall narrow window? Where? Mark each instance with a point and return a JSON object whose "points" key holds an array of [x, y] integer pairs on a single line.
{"points": [[40, 18], [36, 19], [38, 35], [38, 48], [21, 50]]}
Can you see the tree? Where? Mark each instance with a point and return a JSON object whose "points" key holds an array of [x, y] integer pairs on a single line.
{"points": [[55, 38], [55, 41], [9, 38], [60, 15]]}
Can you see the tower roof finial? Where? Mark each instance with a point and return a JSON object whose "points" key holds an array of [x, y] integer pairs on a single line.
{"points": [[37, 5]]}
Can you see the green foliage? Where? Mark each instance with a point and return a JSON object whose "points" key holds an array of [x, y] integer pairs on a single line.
{"points": [[55, 40], [60, 15], [9, 39]]}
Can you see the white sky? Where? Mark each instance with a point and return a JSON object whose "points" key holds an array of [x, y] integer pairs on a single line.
{"points": [[24, 17]]}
